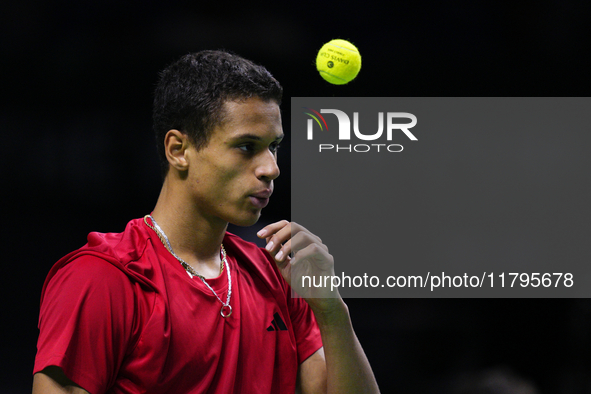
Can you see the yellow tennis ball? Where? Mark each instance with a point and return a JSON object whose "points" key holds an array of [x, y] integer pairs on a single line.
{"points": [[338, 62]]}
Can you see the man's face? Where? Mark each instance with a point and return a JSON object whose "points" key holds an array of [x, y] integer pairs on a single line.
{"points": [[231, 178]]}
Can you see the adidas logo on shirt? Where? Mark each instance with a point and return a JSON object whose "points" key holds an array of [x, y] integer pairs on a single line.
{"points": [[277, 324]]}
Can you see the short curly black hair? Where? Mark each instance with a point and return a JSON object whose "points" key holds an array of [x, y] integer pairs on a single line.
{"points": [[191, 92]]}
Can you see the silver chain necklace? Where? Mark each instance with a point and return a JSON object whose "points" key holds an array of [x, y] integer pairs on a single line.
{"points": [[226, 308]]}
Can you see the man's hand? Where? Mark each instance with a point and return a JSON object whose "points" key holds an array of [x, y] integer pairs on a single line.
{"points": [[300, 255]]}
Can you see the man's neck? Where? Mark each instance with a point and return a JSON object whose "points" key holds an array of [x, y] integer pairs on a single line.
{"points": [[193, 237]]}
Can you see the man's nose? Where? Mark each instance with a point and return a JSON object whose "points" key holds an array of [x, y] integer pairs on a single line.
{"points": [[268, 168]]}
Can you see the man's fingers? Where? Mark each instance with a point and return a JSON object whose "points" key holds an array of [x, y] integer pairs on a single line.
{"points": [[302, 239], [283, 238], [302, 245], [297, 228], [316, 254], [276, 239], [271, 229], [283, 252]]}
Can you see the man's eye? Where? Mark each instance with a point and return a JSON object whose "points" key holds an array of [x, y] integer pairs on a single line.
{"points": [[274, 147], [246, 147]]}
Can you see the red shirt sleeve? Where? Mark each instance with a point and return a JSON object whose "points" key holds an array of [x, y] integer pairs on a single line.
{"points": [[305, 327], [86, 322]]}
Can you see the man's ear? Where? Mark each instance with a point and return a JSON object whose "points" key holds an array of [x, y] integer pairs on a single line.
{"points": [[175, 147]]}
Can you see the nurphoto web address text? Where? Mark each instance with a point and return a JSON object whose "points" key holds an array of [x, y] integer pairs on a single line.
{"points": [[443, 280]]}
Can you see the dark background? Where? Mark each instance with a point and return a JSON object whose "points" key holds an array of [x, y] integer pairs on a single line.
{"points": [[77, 153]]}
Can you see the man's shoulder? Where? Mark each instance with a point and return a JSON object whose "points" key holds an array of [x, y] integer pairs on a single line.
{"points": [[239, 241], [243, 248], [106, 255], [128, 245], [254, 259]]}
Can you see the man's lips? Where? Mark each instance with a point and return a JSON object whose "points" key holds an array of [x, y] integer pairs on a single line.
{"points": [[261, 199], [263, 193]]}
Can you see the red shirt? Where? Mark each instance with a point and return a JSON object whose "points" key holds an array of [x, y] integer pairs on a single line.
{"points": [[121, 315]]}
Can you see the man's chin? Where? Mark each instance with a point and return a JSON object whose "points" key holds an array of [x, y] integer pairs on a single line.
{"points": [[246, 221]]}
